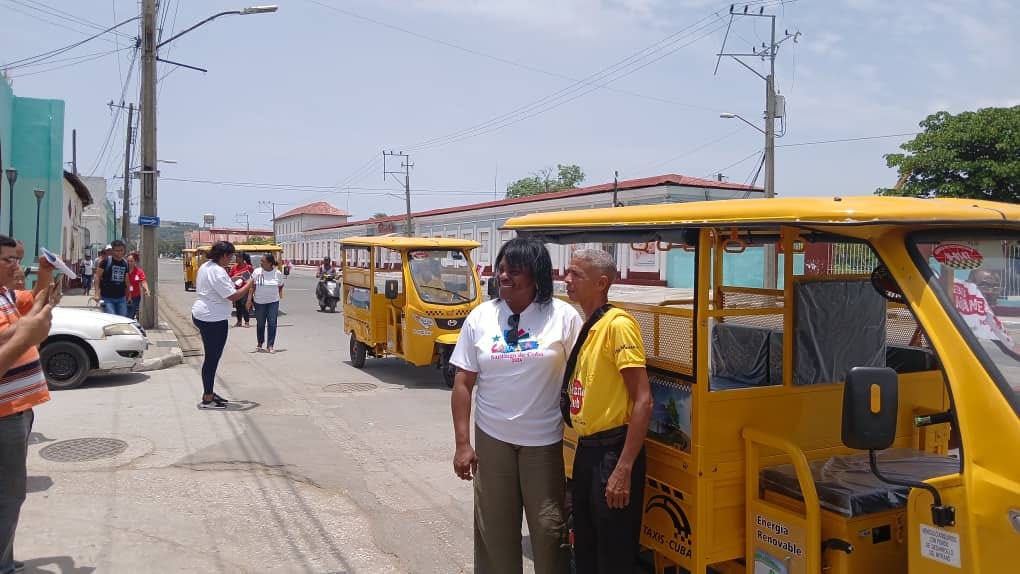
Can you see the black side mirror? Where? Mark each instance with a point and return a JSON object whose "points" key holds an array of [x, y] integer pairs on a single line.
{"points": [[493, 288], [870, 398], [392, 289]]}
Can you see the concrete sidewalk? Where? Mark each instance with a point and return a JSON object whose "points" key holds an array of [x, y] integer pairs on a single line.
{"points": [[164, 348]]}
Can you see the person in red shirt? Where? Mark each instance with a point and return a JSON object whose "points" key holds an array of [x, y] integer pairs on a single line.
{"points": [[137, 286], [239, 273]]}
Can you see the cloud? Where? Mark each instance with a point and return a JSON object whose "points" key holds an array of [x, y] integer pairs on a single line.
{"points": [[824, 43]]}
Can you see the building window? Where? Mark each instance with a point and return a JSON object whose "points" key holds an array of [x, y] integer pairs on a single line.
{"points": [[485, 251]]}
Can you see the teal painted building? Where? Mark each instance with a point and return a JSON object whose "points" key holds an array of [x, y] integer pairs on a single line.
{"points": [[32, 135]]}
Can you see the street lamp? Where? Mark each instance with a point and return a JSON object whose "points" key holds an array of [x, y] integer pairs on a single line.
{"points": [[150, 45], [12, 176], [39, 193]]}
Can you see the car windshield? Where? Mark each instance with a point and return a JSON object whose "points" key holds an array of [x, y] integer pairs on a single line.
{"points": [[981, 272], [442, 276]]}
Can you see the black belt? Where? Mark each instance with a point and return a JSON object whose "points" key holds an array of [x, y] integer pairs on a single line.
{"points": [[612, 437]]}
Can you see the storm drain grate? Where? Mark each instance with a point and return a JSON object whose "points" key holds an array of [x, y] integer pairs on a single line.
{"points": [[349, 387], [83, 449]]}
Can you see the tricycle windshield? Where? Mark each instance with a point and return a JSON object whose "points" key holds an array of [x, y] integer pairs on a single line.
{"points": [[442, 276], [980, 274]]}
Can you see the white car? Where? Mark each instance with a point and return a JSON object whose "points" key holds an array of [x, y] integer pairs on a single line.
{"points": [[82, 342]]}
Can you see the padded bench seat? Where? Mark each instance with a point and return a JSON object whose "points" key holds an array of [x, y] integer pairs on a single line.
{"points": [[846, 485]]}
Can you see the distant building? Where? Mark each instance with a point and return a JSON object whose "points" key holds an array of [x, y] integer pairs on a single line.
{"points": [[200, 237], [290, 226], [76, 198], [97, 218], [482, 222]]}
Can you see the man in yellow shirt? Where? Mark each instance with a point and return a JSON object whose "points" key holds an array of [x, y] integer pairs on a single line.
{"points": [[610, 404]]}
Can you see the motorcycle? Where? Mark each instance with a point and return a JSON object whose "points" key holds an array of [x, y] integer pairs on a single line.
{"points": [[327, 292]]}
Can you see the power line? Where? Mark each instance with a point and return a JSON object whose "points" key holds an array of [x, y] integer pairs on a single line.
{"points": [[508, 61], [324, 188], [116, 115], [73, 59], [820, 142], [734, 164], [609, 74], [58, 51], [79, 60], [35, 11]]}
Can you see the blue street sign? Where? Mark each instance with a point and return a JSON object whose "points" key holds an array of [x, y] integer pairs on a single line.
{"points": [[148, 221]]}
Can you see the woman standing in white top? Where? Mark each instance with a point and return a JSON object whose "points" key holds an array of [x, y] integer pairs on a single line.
{"points": [[211, 314], [265, 298], [515, 349]]}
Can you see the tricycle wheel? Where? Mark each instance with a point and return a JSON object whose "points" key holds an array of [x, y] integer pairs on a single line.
{"points": [[358, 353], [448, 369]]}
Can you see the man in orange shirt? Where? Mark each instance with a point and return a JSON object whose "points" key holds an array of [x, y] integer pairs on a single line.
{"points": [[22, 386]]}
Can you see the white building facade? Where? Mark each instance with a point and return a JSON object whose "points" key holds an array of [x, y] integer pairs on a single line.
{"points": [[290, 230], [72, 229], [96, 216], [482, 222]]}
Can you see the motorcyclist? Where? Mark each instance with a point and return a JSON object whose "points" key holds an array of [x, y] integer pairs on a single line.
{"points": [[326, 268]]}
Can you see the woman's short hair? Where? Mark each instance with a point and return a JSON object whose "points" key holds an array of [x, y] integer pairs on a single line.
{"points": [[531, 255], [268, 257], [246, 258], [219, 249]]}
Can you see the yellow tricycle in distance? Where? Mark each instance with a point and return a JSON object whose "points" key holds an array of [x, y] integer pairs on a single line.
{"points": [[834, 388], [407, 297], [190, 260]]}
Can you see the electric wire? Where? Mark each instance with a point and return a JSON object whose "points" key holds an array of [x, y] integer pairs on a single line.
{"points": [[325, 188], [61, 50], [732, 165], [116, 116], [28, 9], [842, 140], [76, 60]]}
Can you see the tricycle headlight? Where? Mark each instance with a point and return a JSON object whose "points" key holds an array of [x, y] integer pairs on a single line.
{"points": [[119, 329], [425, 322]]}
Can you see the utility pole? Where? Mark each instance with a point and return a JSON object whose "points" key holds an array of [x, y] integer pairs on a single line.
{"points": [[247, 224], [775, 105], [406, 164], [270, 207], [616, 189], [74, 152], [149, 235], [126, 217]]}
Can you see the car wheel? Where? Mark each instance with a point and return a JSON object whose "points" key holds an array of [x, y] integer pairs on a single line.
{"points": [[358, 353], [65, 364]]}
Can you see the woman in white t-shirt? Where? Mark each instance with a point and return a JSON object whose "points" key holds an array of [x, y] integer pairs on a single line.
{"points": [[265, 298], [216, 295], [514, 349]]}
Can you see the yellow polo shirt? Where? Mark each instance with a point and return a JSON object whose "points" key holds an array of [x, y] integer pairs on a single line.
{"points": [[598, 397]]}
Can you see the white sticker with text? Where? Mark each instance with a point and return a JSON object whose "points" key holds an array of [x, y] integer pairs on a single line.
{"points": [[940, 545]]}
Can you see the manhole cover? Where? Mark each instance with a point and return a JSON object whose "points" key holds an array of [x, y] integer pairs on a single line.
{"points": [[349, 388], [83, 449]]}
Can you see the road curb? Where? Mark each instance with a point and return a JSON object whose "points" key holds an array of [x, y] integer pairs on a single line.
{"points": [[176, 357]]}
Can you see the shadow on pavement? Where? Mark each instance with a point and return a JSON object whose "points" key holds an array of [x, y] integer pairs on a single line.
{"points": [[38, 438], [38, 484], [63, 564], [114, 380], [394, 371], [237, 406]]}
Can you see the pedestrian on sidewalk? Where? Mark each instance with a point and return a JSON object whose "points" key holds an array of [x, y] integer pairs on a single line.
{"points": [[265, 298], [608, 403], [22, 387], [111, 280], [137, 286], [88, 267], [239, 274], [515, 348], [211, 314]]}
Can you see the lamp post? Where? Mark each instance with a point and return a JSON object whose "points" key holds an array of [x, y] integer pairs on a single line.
{"points": [[39, 193], [12, 176], [150, 46]]}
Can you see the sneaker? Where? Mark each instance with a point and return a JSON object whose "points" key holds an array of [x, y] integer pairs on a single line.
{"points": [[272, 350], [258, 349], [219, 399], [212, 405]]}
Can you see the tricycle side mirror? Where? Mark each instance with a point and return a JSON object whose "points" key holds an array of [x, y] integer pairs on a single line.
{"points": [[870, 398], [392, 289]]}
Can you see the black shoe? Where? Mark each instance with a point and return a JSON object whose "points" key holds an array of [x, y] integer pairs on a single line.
{"points": [[220, 399], [212, 405]]}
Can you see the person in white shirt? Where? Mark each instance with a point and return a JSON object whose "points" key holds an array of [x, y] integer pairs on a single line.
{"points": [[88, 267], [216, 294], [515, 349], [265, 298]]}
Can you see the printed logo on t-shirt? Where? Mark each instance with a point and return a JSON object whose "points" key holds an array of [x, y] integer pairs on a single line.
{"points": [[524, 342], [576, 396], [117, 274]]}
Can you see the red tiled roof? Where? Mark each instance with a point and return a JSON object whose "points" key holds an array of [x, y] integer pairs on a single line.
{"points": [[668, 179], [317, 208]]}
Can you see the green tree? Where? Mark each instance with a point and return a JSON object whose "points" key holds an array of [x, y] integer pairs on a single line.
{"points": [[973, 155], [542, 181], [258, 240], [379, 214]]}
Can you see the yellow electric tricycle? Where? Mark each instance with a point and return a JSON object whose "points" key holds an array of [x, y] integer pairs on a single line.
{"points": [[407, 297], [190, 268], [835, 386]]}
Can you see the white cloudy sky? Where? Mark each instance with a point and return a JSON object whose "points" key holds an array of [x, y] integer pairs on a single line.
{"points": [[303, 101]]}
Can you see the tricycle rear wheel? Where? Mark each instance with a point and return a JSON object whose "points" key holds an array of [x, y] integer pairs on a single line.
{"points": [[358, 353], [448, 369]]}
